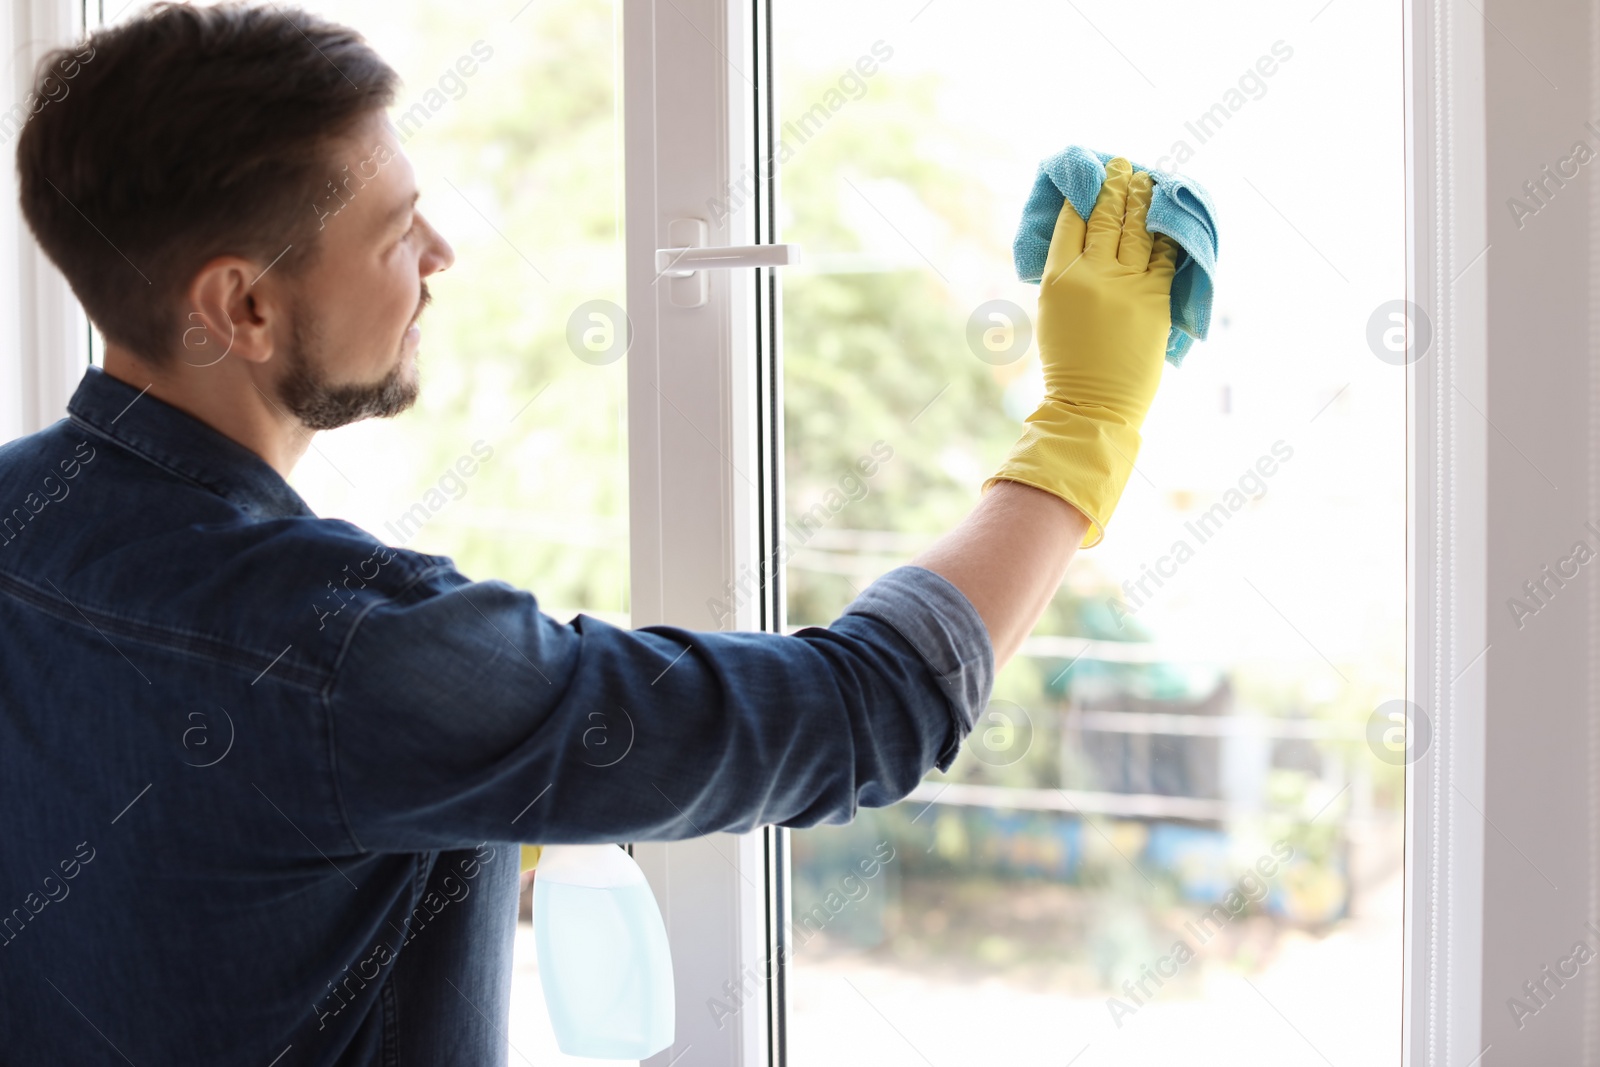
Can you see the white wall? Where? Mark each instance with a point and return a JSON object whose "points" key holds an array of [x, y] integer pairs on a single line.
{"points": [[1542, 784]]}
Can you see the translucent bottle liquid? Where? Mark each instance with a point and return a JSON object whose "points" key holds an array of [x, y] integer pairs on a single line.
{"points": [[603, 957]]}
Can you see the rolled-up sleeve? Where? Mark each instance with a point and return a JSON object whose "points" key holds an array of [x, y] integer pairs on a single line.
{"points": [[460, 713]]}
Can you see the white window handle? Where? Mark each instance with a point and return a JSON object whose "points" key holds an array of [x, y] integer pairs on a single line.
{"points": [[687, 261], [682, 262]]}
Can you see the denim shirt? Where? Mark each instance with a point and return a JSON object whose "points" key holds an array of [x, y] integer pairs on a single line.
{"points": [[245, 751]]}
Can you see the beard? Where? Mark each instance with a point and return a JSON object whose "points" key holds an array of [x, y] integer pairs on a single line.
{"points": [[321, 405]]}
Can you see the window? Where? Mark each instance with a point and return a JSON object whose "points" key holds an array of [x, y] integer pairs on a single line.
{"points": [[1170, 838]]}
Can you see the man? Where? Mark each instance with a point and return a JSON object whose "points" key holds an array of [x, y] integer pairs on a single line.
{"points": [[264, 776]]}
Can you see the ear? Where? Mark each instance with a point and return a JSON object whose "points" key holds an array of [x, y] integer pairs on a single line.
{"points": [[230, 314]]}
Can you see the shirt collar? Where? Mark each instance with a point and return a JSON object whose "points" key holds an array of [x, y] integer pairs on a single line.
{"points": [[180, 444]]}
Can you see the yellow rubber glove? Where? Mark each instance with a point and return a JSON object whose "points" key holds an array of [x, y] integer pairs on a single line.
{"points": [[1103, 320]]}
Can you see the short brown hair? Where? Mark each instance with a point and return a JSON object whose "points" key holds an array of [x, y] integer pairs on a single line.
{"points": [[188, 133]]}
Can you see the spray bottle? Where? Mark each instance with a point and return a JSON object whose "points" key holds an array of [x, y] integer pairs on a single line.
{"points": [[603, 956]]}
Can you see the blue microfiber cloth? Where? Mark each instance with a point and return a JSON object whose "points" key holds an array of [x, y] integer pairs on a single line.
{"points": [[1178, 208]]}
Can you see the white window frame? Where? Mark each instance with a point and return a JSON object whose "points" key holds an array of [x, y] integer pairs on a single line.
{"points": [[693, 458], [696, 521], [1446, 537], [44, 337]]}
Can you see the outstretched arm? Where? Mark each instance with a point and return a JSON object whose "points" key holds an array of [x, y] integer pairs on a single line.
{"points": [[461, 713]]}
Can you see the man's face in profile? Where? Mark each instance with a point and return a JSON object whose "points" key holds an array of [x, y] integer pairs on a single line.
{"points": [[353, 336]]}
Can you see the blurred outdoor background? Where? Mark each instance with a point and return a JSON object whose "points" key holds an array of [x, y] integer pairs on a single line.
{"points": [[1159, 736], [1157, 739]]}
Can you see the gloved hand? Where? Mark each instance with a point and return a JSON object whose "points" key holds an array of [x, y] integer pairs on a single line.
{"points": [[1103, 320]]}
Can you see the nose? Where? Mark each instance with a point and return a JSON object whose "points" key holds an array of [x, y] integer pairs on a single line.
{"points": [[438, 255]]}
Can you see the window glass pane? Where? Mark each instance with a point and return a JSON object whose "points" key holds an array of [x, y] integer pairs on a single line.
{"points": [[1172, 840], [514, 460]]}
